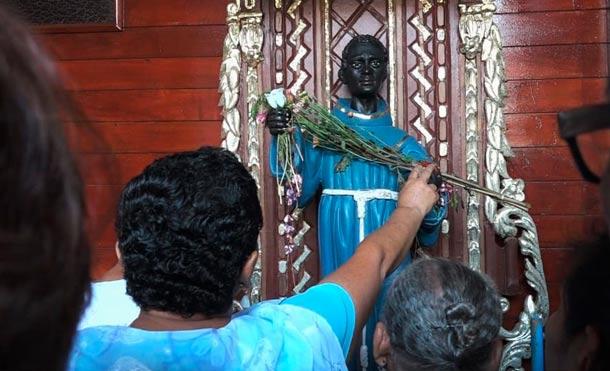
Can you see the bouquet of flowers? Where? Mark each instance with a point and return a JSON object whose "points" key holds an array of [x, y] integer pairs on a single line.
{"points": [[324, 130]]}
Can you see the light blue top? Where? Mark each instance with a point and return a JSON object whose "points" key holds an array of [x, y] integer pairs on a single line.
{"points": [[298, 333], [109, 306]]}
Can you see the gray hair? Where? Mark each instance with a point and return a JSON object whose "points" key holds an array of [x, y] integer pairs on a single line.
{"points": [[441, 315]]}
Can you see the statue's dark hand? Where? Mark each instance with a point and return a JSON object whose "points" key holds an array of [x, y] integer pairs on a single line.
{"points": [[436, 178], [278, 120]]}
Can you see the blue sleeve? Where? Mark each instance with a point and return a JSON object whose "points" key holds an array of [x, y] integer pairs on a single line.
{"points": [[306, 160], [334, 304], [430, 229]]}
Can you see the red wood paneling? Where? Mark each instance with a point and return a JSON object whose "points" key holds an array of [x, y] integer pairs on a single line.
{"points": [[516, 6], [549, 198], [556, 56], [533, 130], [149, 42], [537, 96], [551, 28], [150, 105], [559, 61], [557, 231], [143, 13], [543, 164], [117, 74], [149, 90], [139, 137], [113, 169]]}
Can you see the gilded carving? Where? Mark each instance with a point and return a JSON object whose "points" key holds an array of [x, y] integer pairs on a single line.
{"points": [[230, 72], [508, 221], [481, 37], [295, 66], [472, 28], [392, 59]]}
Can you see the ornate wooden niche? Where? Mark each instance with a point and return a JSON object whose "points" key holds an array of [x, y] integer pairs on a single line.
{"points": [[445, 87]]}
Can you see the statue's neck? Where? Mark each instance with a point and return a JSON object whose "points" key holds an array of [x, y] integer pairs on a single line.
{"points": [[366, 105]]}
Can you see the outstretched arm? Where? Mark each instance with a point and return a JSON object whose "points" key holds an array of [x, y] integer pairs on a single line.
{"points": [[382, 251]]}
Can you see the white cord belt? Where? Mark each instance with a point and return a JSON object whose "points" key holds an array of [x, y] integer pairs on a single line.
{"points": [[362, 197]]}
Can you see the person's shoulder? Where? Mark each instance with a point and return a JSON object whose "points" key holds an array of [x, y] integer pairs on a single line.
{"points": [[99, 348], [93, 341], [320, 349]]}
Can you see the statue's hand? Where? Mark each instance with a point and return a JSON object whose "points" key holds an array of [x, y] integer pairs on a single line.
{"points": [[278, 121], [436, 178]]}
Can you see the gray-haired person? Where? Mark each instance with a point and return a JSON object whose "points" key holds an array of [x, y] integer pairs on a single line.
{"points": [[440, 315]]}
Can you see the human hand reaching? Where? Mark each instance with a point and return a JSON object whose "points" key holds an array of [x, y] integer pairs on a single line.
{"points": [[416, 193]]}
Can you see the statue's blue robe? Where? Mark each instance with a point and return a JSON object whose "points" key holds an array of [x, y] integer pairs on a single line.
{"points": [[338, 224]]}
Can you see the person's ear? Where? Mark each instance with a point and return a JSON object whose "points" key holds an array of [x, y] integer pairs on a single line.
{"points": [[381, 345], [117, 251], [248, 268], [590, 346]]}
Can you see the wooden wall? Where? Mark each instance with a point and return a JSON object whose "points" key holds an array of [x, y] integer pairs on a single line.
{"points": [[149, 89], [557, 58]]}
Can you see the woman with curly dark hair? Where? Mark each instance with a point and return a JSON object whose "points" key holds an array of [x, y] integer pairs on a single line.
{"points": [[44, 255], [188, 229], [440, 316]]}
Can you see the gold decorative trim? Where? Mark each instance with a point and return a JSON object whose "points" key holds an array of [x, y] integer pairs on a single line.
{"points": [[392, 59], [418, 73], [250, 4], [472, 28], [292, 9], [481, 38], [230, 72], [295, 66], [328, 71]]}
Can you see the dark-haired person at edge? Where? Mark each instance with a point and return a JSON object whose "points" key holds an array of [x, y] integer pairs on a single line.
{"points": [[359, 199], [440, 316], [187, 229], [577, 335], [44, 253]]}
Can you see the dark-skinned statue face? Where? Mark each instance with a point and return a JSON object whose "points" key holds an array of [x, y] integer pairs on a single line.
{"points": [[364, 67]]}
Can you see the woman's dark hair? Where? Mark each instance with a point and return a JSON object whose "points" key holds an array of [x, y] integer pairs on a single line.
{"points": [[586, 296], [186, 227], [442, 316], [44, 255]]}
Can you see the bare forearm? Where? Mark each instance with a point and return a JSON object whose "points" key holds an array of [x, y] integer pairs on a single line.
{"points": [[376, 256], [395, 238]]}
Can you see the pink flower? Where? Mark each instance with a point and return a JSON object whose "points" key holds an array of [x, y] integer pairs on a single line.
{"points": [[261, 117], [291, 197]]}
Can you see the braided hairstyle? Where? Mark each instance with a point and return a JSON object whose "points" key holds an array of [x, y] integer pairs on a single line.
{"points": [[186, 227], [441, 315]]}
